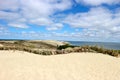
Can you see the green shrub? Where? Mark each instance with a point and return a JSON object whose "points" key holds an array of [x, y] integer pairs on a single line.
{"points": [[65, 46]]}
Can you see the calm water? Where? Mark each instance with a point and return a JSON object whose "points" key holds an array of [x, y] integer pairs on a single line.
{"points": [[107, 45]]}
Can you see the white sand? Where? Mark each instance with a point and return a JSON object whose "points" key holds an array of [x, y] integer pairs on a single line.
{"points": [[20, 65], [52, 42], [1, 45]]}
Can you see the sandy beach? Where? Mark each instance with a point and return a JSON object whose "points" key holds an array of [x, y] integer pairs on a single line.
{"points": [[19, 65]]}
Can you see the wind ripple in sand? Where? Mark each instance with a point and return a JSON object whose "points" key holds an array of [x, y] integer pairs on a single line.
{"points": [[20, 65]]}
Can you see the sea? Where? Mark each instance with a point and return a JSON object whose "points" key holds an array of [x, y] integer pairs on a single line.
{"points": [[106, 45]]}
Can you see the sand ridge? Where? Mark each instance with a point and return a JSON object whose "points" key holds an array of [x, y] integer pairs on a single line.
{"points": [[19, 65]]}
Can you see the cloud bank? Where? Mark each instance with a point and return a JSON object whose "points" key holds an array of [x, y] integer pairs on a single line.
{"points": [[20, 12], [98, 2], [98, 23]]}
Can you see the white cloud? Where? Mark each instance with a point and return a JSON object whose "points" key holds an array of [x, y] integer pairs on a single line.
{"points": [[21, 20], [34, 35], [9, 16], [12, 5], [48, 23], [41, 21], [55, 26], [3, 31], [18, 25], [2, 28], [38, 8], [97, 22], [37, 12], [98, 17], [98, 2]]}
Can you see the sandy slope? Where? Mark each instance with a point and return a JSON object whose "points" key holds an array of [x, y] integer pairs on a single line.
{"points": [[51, 42], [20, 65], [1, 45]]}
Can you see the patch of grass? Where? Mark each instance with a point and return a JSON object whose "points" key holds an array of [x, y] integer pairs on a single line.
{"points": [[106, 51]]}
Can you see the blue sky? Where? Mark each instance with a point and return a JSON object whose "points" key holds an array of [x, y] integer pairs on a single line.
{"points": [[73, 20]]}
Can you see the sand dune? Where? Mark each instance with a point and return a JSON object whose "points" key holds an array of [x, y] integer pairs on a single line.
{"points": [[20, 65]]}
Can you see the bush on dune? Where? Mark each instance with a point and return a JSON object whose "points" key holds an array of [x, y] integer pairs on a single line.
{"points": [[65, 46], [106, 51]]}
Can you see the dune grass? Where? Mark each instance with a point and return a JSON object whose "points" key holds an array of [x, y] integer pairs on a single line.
{"points": [[87, 48], [63, 49]]}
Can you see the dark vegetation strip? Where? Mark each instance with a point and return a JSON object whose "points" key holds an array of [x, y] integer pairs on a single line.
{"points": [[87, 48]]}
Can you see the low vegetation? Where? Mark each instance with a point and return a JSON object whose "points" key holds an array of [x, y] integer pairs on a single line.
{"points": [[115, 53], [69, 48], [63, 49]]}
